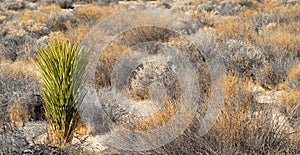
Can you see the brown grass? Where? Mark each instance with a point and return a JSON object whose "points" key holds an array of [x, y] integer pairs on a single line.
{"points": [[18, 114], [234, 28], [22, 69], [42, 15], [282, 37], [57, 36], [93, 12], [78, 33], [159, 118], [81, 129], [242, 126], [282, 34], [293, 74], [107, 59], [35, 15]]}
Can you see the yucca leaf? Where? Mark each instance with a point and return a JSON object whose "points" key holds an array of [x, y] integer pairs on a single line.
{"points": [[62, 66]]}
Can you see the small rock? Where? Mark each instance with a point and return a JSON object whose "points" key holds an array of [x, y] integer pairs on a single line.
{"points": [[95, 144], [32, 6]]}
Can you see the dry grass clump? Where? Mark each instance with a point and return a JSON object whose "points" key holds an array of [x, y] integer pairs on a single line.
{"points": [[36, 15], [283, 37], [51, 15], [294, 73], [289, 104], [17, 79], [26, 108], [108, 58], [243, 127], [261, 41], [207, 18], [92, 13], [86, 17], [81, 129], [18, 114], [289, 99], [78, 33], [57, 36], [159, 118], [42, 15], [268, 24], [292, 80], [246, 126], [234, 27], [18, 69]]}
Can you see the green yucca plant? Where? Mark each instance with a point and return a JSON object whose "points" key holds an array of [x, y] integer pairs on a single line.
{"points": [[62, 66]]}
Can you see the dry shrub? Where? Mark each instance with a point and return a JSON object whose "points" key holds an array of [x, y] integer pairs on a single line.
{"points": [[159, 118], [50, 9], [92, 13], [234, 28], [269, 25], [108, 57], [293, 79], [57, 36], [78, 33], [243, 127], [21, 69], [283, 38], [206, 18], [50, 15], [286, 14], [294, 73], [81, 129], [289, 104], [290, 100], [55, 19], [42, 15], [290, 97], [18, 114], [246, 126], [268, 6], [86, 16], [36, 15]]}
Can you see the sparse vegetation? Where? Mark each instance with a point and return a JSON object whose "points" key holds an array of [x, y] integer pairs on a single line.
{"points": [[259, 41]]}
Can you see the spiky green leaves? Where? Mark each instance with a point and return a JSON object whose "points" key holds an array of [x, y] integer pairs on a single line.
{"points": [[62, 66]]}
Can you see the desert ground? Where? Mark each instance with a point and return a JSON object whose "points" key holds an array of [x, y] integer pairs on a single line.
{"points": [[257, 43]]}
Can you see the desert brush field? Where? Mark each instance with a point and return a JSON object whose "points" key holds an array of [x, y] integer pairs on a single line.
{"points": [[170, 77]]}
